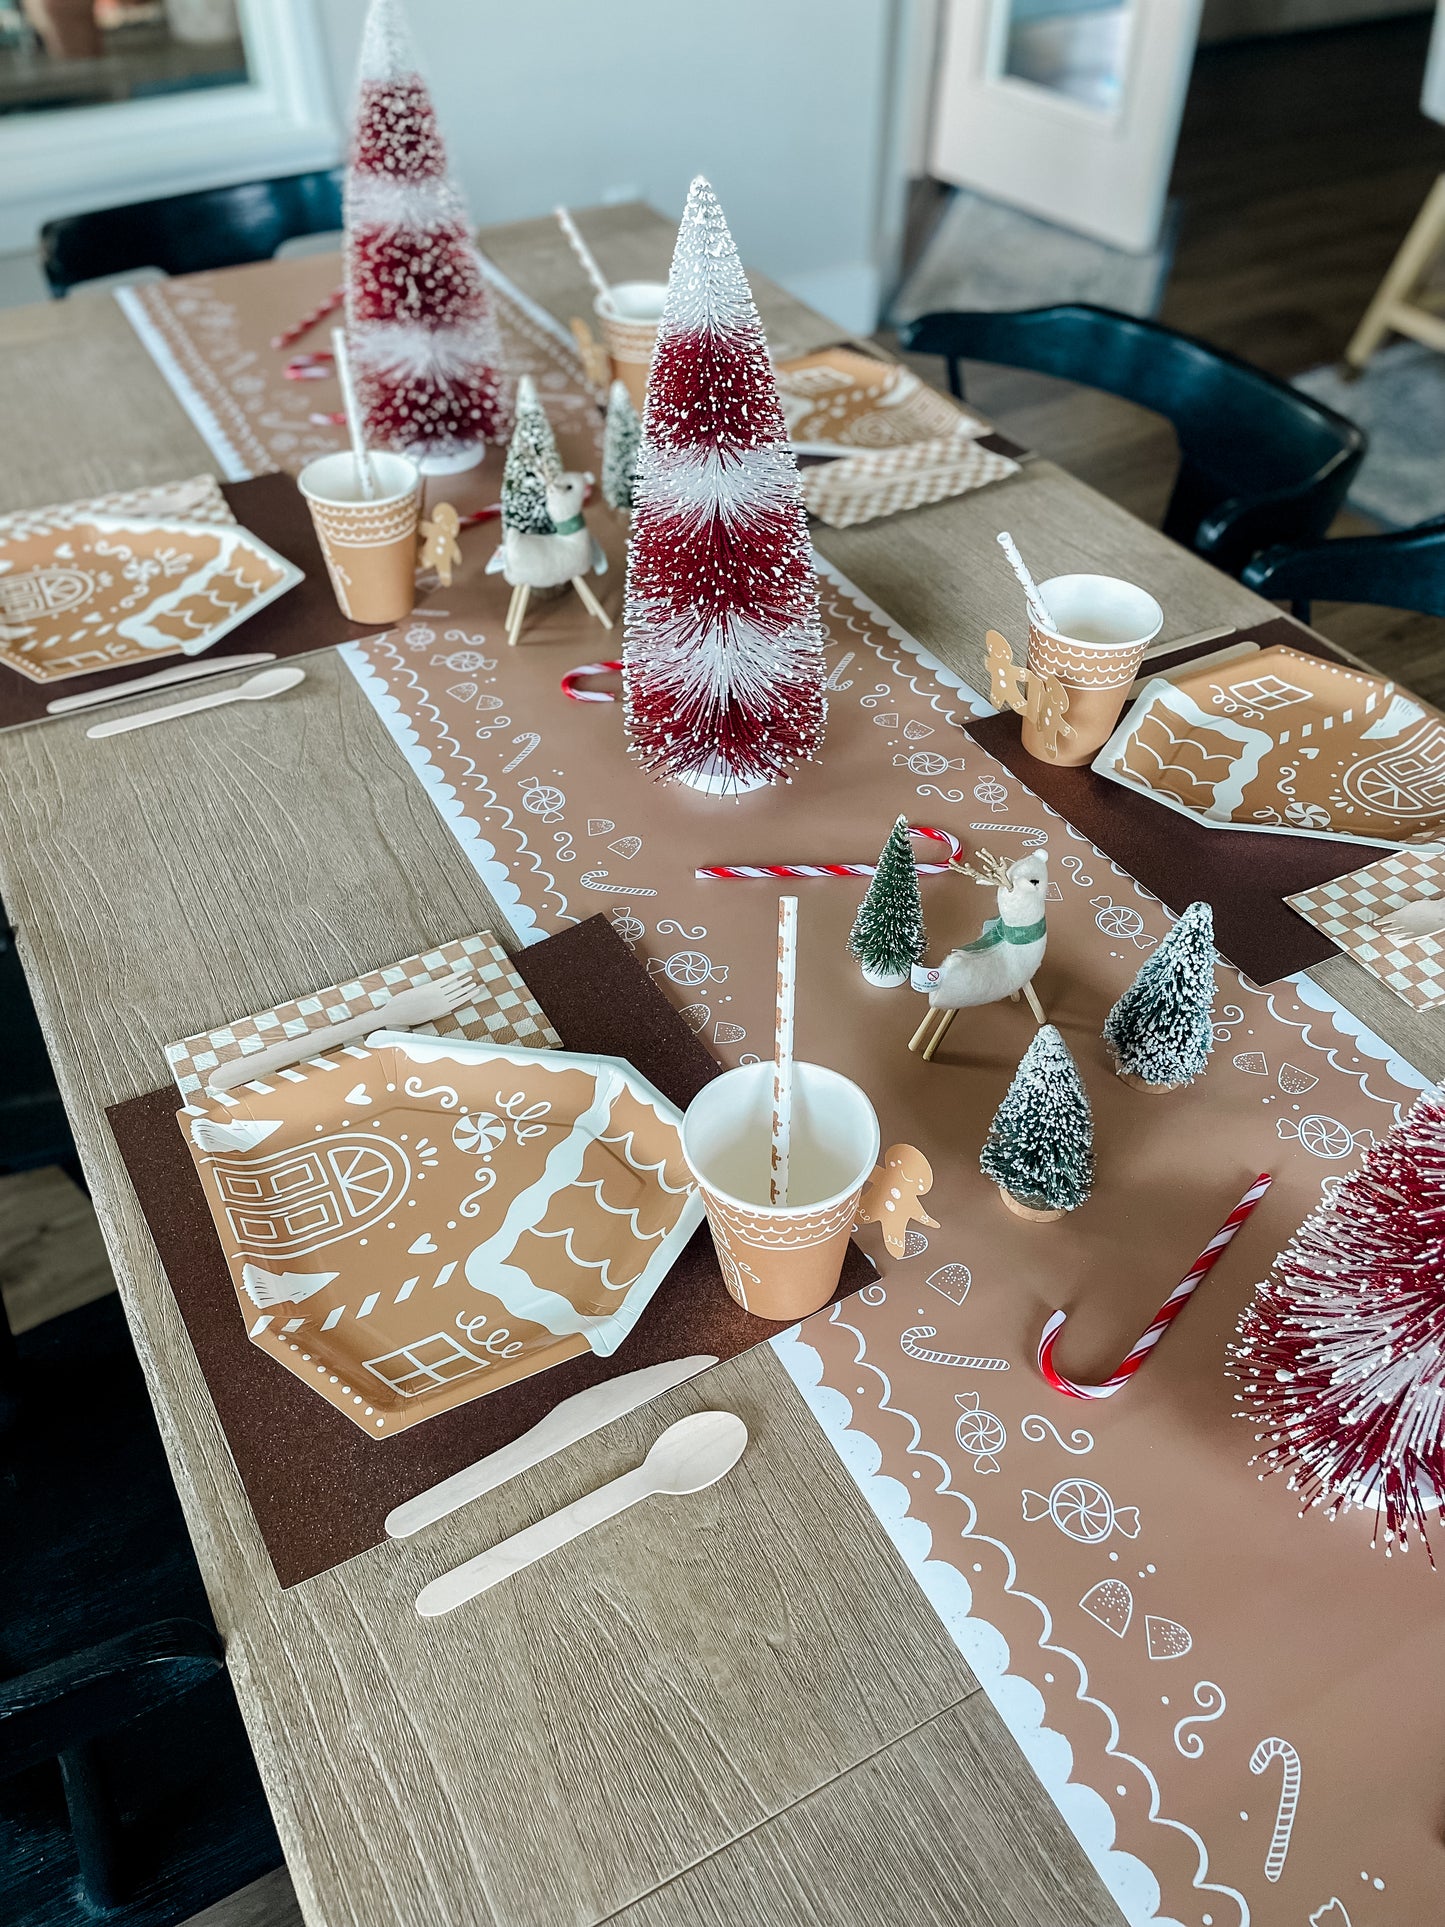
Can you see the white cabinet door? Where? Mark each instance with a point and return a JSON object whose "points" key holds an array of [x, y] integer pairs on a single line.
{"points": [[1069, 108]]}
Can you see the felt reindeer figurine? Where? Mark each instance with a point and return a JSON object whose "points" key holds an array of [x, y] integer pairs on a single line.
{"points": [[999, 963], [568, 554]]}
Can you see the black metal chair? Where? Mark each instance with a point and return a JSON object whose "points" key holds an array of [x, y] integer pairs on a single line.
{"points": [[1403, 570], [1260, 462], [220, 227], [127, 1786], [33, 1125]]}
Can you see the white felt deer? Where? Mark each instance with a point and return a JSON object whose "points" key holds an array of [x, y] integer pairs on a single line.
{"points": [[1002, 961], [568, 554]]}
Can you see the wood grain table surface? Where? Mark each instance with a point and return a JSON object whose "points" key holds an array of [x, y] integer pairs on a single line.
{"points": [[744, 1712]]}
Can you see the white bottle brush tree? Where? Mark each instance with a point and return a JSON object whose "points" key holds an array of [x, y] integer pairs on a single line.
{"points": [[1161, 1031], [532, 462], [888, 935], [1341, 1356], [621, 438], [1040, 1146]]}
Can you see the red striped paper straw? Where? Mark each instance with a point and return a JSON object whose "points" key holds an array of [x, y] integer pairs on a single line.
{"points": [[573, 676], [946, 837], [1164, 1317], [317, 365], [288, 337]]}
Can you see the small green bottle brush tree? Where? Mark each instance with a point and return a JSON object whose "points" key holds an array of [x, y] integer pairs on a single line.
{"points": [[888, 935], [1040, 1146]]}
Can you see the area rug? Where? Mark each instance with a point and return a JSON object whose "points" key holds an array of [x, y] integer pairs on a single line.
{"points": [[1399, 401]]}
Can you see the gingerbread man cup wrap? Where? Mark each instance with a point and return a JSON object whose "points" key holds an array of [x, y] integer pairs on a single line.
{"points": [[1102, 628], [891, 1197], [781, 1261]]}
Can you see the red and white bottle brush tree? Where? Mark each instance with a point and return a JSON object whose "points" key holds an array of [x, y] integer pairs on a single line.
{"points": [[423, 340], [723, 657], [1341, 1356]]}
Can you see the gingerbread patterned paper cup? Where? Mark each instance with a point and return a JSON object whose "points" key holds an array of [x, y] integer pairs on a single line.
{"points": [[1103, 627], [781, 1261], [369, 546], [629, 314]]}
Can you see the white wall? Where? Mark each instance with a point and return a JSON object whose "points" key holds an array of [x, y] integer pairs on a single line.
{"points": [[789, 109]]}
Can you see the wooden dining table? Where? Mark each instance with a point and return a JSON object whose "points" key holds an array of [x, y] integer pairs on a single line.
{"points": [[737, 1707]]}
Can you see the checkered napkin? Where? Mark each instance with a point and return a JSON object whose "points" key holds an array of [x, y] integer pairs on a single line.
{"points": [[504, 1012], [199, 499], [1347, 909], [860, 488]]}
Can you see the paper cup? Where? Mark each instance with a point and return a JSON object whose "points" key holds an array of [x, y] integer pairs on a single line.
{"points": [[628, 314], [781, 1261], [370, 547], [1103, 628]]}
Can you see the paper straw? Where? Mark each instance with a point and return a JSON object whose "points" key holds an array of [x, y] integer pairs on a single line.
{"points": [[1038, 608], [580, 248], [1163, 1318], [783, 1047], [353, 414], [785, 870], [573, 676], [288, 337], [314, 365]]}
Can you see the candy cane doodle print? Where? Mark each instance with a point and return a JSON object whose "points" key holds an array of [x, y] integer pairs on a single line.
{"points": [[1259, 1761], [1082, 1510], [982, 1435], [530, 740], [1210, 1699], [1037, 838], [598, 880], [909, 1343]]}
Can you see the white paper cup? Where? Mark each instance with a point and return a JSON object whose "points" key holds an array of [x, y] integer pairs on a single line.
{"points": [[369, 546], [1102, 627], [629, 313], [781, 1261]]}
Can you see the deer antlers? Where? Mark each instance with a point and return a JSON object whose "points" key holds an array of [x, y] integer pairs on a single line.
{"points": [[994, 874]]}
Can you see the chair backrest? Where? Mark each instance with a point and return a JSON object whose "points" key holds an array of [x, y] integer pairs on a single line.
{"points": [[1244, 437], [1405, 570], [220, 227]]}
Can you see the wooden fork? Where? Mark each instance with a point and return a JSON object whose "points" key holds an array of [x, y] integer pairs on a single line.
{"points": [[1424, 917], [421, 1004]]}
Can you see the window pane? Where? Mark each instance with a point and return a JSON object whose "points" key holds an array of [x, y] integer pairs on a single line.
{"points": [[84, 53], [1072, 47]]}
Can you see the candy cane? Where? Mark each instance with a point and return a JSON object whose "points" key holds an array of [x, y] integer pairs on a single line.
{"points": [[327, 418], [572, 677], [288, 337], [1275, 1749], [915, 1350], [315, 365], [1164, 1317], [955, 853]]}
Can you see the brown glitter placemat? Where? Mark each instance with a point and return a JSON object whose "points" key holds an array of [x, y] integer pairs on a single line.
{"points": [[306, 617], [1244, 878], [320, 1488]]}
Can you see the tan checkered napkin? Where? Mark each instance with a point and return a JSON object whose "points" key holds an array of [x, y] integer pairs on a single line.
{"points": [[503, 1012], [1348, 909], [860, 488]]}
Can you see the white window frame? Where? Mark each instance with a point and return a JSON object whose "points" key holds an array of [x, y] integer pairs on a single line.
{"points": [[281, 121]]}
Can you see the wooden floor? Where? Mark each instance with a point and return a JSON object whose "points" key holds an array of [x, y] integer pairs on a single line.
{"points": [[1302, 162]]}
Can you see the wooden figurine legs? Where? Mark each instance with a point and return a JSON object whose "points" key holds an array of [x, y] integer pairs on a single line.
{"points": [[521, 595], [938, 1021]]}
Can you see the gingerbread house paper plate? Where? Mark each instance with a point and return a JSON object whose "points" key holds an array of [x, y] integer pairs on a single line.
{"points": [[839, 399], [101, 591], [1287, 742], [413, 1222]]}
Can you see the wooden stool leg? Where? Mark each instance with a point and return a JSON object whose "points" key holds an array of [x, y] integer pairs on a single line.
{"points": [[1034, 1005], [519, 615], [939, 1035], [1417, 252], [590, 602]]}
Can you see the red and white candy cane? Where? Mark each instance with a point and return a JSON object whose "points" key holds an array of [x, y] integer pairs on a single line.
{"points": [[573, 676], [954, 847], [1163, 1319], [288, 337], [317, 365]]}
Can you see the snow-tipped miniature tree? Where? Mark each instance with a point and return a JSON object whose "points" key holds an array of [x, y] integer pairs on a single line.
{"points": [[1040, 1146], [621, 439], [1161, 1031], [532, 462], [1342, 1353], [423, 339], [723, 655], [888, 935]]}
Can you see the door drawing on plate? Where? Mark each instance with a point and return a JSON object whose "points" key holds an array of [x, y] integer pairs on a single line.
{"points": [[300, 1200]]}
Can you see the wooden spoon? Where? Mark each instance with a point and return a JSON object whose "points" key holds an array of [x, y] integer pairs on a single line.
{"points": [[256, 689], [696, 1452]]}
